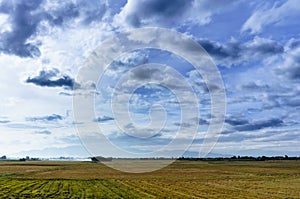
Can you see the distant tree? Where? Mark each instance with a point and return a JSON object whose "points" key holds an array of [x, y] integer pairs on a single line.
{"points": [[101, 159], [94, 159]]}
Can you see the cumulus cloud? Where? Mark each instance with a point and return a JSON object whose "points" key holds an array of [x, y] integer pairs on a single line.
{"points": [[235, 52], [52, 78], [272, 14], [284, 100], [86, 11], [24, 25], [145, 73], [169, 13], [129, 60], [289, 66], [27, 18]]}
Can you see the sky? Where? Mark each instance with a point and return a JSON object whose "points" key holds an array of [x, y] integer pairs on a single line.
{"points": [[139, 100]]}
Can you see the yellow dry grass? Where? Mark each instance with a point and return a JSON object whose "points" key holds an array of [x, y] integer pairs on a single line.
{"points": [[182, 179]]}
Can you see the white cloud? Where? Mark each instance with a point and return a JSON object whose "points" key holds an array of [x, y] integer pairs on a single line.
{"points": [[275, 15], [4, 23]]}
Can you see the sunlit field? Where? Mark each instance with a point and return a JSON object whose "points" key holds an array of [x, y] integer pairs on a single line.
{"points": [[182, 179]]}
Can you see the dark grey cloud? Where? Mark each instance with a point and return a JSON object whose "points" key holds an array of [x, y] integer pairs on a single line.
{"points": [[253, 86], [48, 118], [291, 102], [24, 22], [145, 73], [264, 47], [203, 122], [171, 13], [184, 124], [294, 44], [4, 121], [166, 11], [26, 16], [242, 124], [87, 11], [63, 14], [285, 99], [53, 78], [290, 67], [234, 52], [230, 50], [234, 121], [44, 132], [103, 119]]}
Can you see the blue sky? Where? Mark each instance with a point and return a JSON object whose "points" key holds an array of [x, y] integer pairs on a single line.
{"points": [[44, 44]]}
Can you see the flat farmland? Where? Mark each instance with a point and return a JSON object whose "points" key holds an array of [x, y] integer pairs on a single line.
{"points": [[182, 179]]}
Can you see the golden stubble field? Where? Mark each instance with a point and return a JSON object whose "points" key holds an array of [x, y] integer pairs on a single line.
{"points": [[182, 179]]}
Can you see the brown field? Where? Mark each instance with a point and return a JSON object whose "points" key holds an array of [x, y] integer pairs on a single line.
{"points": [[182, 179]]}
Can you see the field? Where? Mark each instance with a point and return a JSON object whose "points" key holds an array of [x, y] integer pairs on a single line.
{"points": [[182, 179]]}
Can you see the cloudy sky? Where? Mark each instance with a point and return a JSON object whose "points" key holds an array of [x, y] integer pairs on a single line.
{"points": [[44, 44]]}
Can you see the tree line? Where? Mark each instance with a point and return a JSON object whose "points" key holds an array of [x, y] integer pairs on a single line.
{"points": [[242, 158]]}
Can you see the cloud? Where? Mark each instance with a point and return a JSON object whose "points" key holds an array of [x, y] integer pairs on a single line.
{"points": [[135, 131], [291, 102], [169, 13], [267, 136], [234, 121], [24, 25], [85, 12], [184, 124], [242, 124], [4, 121], [53, 78], [45, 132], [103, 119], [235, 52], [256, 86], [28, 19], [272, 14], [138, 13], [65, 94], [48, 118], [129, 60], [293, 43], [203, 122], [282, 99], [145, 73], [62, 14], [22, 126], [289, 65]]}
